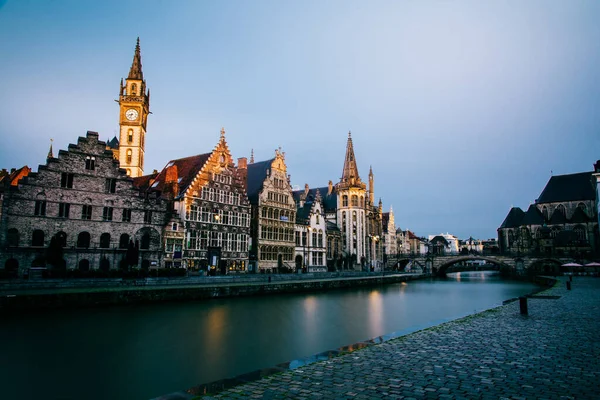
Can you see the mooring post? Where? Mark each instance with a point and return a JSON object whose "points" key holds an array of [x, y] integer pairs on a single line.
{"points": [[570, 278], [568, 285], [523, 305]]}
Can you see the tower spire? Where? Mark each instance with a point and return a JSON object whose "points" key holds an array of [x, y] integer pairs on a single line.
{"points": [[252, 156], [50, 152], [350, 173], [136, 66]]}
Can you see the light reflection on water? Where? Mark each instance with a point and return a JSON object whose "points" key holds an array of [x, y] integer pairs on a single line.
{"points": [[145, 351]]}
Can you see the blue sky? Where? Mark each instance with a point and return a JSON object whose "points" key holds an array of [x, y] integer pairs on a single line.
{"points": [[462, 108]]}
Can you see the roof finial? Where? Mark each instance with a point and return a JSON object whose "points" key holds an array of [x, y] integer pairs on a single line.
{"points": [[222, 133], [349, 134], [251, 156], [50, 153]]}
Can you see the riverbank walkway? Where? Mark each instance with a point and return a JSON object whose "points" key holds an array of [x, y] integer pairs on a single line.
{"points": [[552, 353]]}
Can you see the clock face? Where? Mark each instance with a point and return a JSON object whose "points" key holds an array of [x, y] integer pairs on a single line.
{"points": [[131, 114]]}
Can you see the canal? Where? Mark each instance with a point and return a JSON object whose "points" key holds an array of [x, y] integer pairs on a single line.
{"points": [[140, 352]]}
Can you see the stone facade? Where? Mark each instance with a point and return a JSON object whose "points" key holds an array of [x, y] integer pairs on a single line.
{"points": [[563, 220], [310, 232], [89, 204], [273, 214]]}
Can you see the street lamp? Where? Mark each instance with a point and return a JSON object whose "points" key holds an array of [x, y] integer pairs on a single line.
{"points": [[374, 240]]}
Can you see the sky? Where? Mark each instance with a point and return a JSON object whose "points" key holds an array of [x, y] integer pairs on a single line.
{"points": [[462, 108]]}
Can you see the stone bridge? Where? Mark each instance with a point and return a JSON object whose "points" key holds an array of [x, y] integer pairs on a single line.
{"points": [[512, 264]]}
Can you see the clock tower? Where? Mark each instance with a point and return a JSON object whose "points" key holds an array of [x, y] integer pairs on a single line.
{"points": [[134, 107]]}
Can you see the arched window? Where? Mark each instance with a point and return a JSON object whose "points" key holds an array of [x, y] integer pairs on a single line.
{"points": [[270, 213], [561, 209], [129, 156], [130, 136], [317, 219], [12, 238], [582, 207], [105, 241], [276, 214], [145, 244], [62, 238], [37, 238], [264, 212], [320, 238], [133, 89], [354, 200], [84, 265], [344, 201], [362, 201], [124, 241], [83, 241]]}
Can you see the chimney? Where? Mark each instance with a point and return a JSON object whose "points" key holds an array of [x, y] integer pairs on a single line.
{"points": [[243, 170], [171, 179], [329, 188], [306, 189], [242, 163]]}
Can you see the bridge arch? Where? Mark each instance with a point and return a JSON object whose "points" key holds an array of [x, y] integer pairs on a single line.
{"points": [[446, 264]]}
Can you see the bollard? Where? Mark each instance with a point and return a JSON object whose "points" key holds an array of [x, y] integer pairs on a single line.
{"points": [[523, 305], [570, 278], [568, 285], [269, 278]]}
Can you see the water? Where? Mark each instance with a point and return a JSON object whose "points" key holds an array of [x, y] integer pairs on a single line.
{"points": [[140, 352]]}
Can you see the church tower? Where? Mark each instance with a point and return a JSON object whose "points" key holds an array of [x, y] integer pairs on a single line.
{"points": [[134, 107], [352, 192]]}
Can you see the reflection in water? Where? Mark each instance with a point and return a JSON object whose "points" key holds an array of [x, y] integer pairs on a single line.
{"points": [[141, 352], [375, 312]]}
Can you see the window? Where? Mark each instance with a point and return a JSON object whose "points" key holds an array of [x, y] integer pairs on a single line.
{"points": [[12, 238], [304, 238], [83, 240], [317, 218], [105, 241], [320, 240], [203, 240], [133, 89], [315, 260], [111, 185], [354, 200], [174, 226], [124, 241], [126, 215], [583, 207], [107, 214], [66, 180], [62, 238], [344, 201], [37, 238], [63, 210], [40, 207], [297, 238], [193, 240], [86, 212], [128, 156], [214, 239], [90, 163], [193, 213], [148, 216], [314, 238], [130, 136]]}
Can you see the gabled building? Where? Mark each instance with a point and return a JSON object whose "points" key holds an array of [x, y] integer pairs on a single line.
{"points": [[273, 215], [310, 231], [87, 204], [208, 228], [390, 244], [562, 221]]}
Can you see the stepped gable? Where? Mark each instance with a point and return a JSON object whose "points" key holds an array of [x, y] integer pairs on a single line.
{"points": [[257, 173], [533, 216], [571, 187], [513, 219], [187, 169]]}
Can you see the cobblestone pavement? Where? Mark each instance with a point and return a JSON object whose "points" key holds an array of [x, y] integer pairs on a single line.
{"points": [[553, 353]]}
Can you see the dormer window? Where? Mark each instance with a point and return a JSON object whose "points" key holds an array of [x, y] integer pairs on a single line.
{"points": [[174, 226]]}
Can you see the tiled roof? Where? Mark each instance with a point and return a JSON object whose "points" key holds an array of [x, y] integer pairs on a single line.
{"points": [[513, 219], [303, 213], [533, 216], [332, 227], [439, 239], [329, 201], [572, 187], [187, 169], [257, 173]]}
